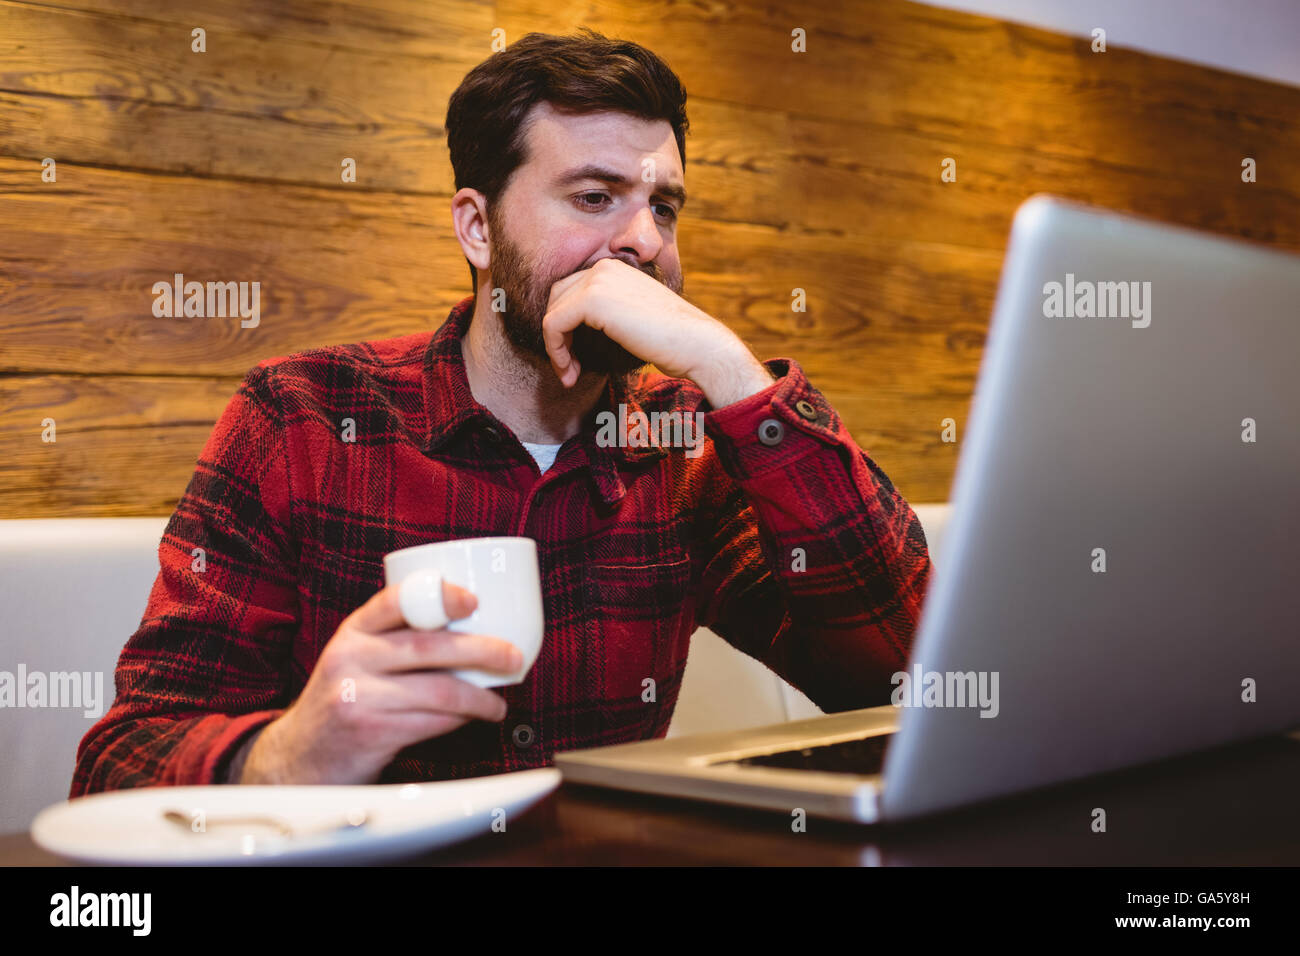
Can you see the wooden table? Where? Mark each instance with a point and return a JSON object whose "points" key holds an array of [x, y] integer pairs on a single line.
{"points": [[1237, 806]]}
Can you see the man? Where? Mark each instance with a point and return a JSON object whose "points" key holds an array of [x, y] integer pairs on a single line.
{"points": [[270, 652]]}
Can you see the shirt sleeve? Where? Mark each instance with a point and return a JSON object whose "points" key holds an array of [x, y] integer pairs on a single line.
{"points": [[208, 665], [816, 565]]}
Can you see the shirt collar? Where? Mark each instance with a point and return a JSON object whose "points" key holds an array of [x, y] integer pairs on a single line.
{"points": [[449, 405]]}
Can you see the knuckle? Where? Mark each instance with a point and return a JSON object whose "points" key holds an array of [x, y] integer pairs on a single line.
{"points": [[424, 646], [346, 655], [347, 714], [331, 662]]}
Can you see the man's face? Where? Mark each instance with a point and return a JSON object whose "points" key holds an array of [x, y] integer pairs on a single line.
{"points": [[581, 196]]}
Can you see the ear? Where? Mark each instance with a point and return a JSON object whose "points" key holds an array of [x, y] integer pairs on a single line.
{"points": [[469, 220]]}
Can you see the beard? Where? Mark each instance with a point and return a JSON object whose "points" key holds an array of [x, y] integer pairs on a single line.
{"points": [[527, 289]]}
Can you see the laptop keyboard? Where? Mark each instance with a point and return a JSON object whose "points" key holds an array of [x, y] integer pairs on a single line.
{"points": [[864, 756]]}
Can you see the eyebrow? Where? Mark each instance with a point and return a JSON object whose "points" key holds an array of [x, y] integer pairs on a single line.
{"points": [[615, 178]]}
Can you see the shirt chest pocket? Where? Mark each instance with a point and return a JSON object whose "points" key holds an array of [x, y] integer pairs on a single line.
{"points": [[639, 622]]}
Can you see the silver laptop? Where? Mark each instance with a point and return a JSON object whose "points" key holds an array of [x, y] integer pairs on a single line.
{"points": [[1122, 574]]}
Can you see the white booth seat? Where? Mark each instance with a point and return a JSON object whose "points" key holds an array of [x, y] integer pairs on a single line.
{"points": [[74, 589], [724, 689]]}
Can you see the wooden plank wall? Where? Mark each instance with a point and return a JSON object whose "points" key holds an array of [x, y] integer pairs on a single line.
{"points": [[818, 170]]}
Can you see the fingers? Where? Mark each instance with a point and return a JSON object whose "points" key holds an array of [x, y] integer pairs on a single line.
{"points": [[562, 286], [559, 347], [564, 313], [570, 373], [457, 601], [383, 613], [421, 725], [436, 693], [398, 651]]}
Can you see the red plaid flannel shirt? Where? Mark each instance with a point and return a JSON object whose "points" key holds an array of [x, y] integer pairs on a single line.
{"points": [[638, 546]]}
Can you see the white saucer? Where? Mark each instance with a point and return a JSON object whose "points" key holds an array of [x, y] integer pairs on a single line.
{"points": [[128, 826]]}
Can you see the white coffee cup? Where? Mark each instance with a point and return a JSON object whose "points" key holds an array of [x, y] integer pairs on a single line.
{"points": [[504, 575]]}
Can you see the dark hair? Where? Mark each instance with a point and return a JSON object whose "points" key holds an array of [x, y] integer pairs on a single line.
{"points": [[588, 73]]}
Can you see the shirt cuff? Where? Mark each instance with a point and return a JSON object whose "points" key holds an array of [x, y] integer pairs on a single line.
{"points": [[206, 754], [776, 426]]}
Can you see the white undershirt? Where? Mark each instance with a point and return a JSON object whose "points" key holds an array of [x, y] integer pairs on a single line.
{"points": [[544, 454]]}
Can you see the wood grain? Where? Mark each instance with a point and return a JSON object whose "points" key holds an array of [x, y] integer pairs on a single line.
{"points": [[817, 171], [123, 446]]}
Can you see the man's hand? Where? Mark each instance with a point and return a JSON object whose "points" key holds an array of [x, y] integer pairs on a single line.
{"points": [[398, 696], [653, 323]]}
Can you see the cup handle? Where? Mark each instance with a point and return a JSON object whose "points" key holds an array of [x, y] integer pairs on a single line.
{"points": [[420, 598]]}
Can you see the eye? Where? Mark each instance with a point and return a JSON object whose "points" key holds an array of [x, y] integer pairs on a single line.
{"points": [[591, 201], [671, 214]]}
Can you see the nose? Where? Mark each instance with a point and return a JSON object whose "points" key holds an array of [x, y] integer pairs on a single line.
{"points": [[639, 237]]}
